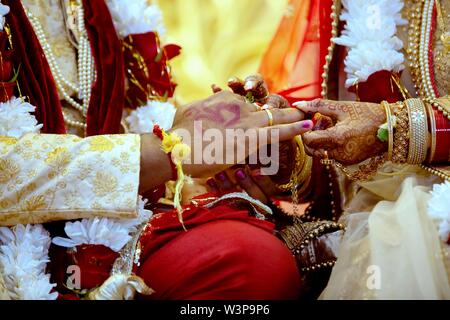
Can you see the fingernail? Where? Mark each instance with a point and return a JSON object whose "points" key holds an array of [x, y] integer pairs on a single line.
{"points": [[257, 174], [221, 176], [307, 124], [300, 104], [240, 174], [212, 183]]}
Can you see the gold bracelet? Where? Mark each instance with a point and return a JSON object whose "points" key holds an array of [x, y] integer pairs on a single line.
{"points": [[418, 131], [390, 128], [432, 123], [401, 141]]}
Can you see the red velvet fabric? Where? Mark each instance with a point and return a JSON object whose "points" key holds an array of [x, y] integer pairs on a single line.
{"points": [[108, 93], [379, 87], [225, 254], [35, 78]]}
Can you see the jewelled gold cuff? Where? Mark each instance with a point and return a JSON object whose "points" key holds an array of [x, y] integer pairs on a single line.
{"points": [[418, 131]]}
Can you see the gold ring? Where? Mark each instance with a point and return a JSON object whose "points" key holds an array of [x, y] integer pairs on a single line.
{"points": [[270, 115]]}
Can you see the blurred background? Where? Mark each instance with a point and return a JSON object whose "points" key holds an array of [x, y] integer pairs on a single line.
{"points": [[220, 39]]}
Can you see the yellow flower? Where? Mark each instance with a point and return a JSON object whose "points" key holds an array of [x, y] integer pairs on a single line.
{"points": [[8, 140], [104, 183], [34, 203], [180, 152], [169, 141], [8, 170], [101, 143], [59, 157]]}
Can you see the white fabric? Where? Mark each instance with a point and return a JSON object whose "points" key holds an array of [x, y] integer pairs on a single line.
{"points": [[392, 252], [62, 177]]}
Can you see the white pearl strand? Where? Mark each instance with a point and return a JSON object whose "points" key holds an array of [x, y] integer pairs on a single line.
{"points": [[86, 67], [423, 49]]}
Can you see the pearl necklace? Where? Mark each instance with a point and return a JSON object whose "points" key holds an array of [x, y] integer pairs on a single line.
{"points": [[421, 20], [86, 66]]}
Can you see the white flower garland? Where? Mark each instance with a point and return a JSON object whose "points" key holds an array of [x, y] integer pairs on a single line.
{"points": [[23, 260], [23, 249], [16, 118], [135, 17], [111, 233], [4, 10], [144, 118], [370, 35], [439, 208]]}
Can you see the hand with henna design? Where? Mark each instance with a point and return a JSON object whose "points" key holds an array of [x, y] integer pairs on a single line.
{"points": [[354, 137]]}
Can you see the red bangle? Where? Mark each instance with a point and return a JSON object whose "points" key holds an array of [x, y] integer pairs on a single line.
{"points": [[157, 131], [442, 138]]}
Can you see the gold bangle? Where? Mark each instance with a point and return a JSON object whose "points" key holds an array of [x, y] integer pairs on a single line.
{"points": [[390, 127], [418, 131], [432, 119], [401, 142]]}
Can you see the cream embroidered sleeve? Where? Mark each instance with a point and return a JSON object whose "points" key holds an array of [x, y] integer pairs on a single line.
{"points": [[47, 177]]}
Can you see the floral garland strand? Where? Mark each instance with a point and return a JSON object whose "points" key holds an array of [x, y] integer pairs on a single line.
{"points": [[370, 36], [439, 209], [137, 16], [23, 261]]}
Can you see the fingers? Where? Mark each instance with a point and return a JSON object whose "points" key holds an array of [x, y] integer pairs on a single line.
{"points": [[286, 132], [212, 185], [264, 182], [323, 139], [316, 153], [223, 181], [279, 116], [327, 107], [277, 101], [247, 184]]}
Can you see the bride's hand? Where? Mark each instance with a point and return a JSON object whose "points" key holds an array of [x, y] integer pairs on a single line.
{"points": [[354, 137]]}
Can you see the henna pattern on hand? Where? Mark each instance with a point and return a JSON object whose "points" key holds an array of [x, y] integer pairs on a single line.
{"points": [[354, 138]]}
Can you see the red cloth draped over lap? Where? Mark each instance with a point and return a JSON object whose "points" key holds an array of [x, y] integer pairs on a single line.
{"points": [[225, 254]]}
